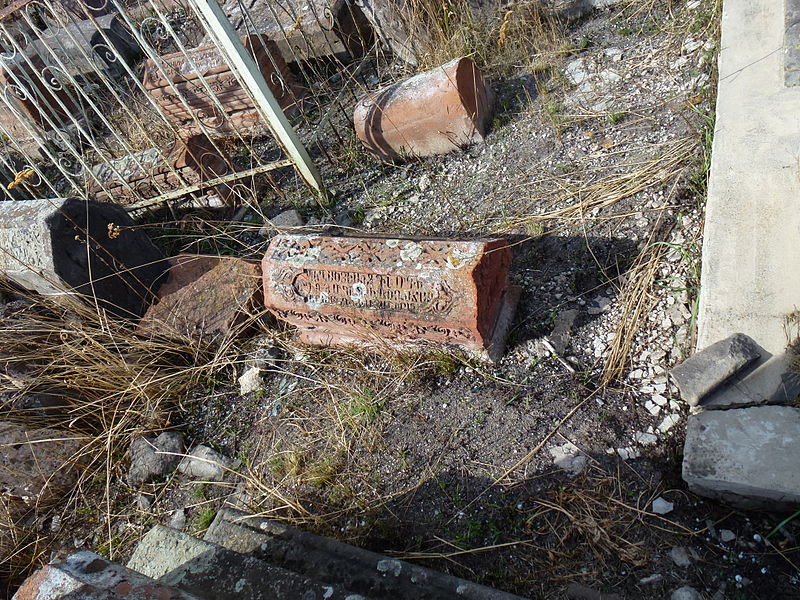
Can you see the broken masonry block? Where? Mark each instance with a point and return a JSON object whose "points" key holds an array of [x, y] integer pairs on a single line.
{"points": [[149, 173], [180, 84], [705, 371], [68, 248], [393, 22], [770, 382], [37, 466], [304, 30], [435, 112], [88, 576], [746, 456], [204, 297], [342, 290]]}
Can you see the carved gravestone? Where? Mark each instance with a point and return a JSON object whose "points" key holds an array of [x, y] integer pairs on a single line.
{"points": [[340, 290], [198, 91], [80, 48], [303, 29], [68, 248]]}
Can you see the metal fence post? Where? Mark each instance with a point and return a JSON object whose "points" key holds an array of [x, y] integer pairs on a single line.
{"points": [[229, 40]]}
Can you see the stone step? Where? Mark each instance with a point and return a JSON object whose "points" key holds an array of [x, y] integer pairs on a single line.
{"points": [[338, 564], [211, 572]]}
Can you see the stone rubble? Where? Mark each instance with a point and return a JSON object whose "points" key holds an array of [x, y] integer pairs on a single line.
{"points": [[205, 464], [153, 458], [701, 374]]}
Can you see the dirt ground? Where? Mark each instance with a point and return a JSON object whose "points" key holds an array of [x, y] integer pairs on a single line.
{"points": [[540, 471]]}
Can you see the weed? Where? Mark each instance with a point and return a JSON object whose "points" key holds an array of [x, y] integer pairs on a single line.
{"points": [[322, 472], [204, 520], [199, 491], [366, 406], [616, 117]]}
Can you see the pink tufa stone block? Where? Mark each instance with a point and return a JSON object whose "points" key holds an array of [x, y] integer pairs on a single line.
{"points": [[340, 290], [204, 297]]}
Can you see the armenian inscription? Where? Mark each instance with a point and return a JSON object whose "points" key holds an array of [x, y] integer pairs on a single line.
{"points": [[342, 290]]}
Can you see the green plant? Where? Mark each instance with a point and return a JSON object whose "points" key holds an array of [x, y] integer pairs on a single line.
{"points": [[365, 406], [616, 117], [204, 519]]}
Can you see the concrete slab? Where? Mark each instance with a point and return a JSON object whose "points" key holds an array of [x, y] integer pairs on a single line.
{"points": [[207, 570], [750, 244], [749, 457], [770, 383]]}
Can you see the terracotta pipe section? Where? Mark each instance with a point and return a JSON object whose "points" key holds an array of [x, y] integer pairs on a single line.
{"points": [[432, 113]]}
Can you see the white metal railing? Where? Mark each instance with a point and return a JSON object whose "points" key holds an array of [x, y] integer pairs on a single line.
{"points": [[73, 99]]}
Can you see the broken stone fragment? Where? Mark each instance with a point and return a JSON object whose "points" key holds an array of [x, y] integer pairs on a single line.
{"points": [[204, 297], [343, 290], [770, 383], [702, 373], [205, 463], [153, 458], [432, 113], [68, 248], [661, 506], [36, 465], [250, 381], [90, 576], [686, 593], [393, 22], [747, 456]]}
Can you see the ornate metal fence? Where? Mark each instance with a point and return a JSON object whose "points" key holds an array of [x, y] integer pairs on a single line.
{"points": [[147, 101]]}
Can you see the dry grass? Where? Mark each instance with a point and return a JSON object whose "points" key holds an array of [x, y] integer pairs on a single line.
{"points": [[334, 407], [595, 520], [113, 386], [522, 36]]}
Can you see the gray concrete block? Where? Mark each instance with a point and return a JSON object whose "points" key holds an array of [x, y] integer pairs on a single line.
{"points": [[749, 457], [702, 373], [68, 247], [770, 383], [350, 567], [197, 567]]}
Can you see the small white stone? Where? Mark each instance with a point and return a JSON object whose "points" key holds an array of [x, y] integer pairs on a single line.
{"points": [[669, 422], [628, 453], [660, 400], [645, 439], [662, 507], [652, 408], [726, 535], [250, 381], [691, 44]]}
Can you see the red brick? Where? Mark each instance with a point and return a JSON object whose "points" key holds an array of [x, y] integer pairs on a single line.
{"points": [[435, 112], [184, 85], [205, 297], [340, 290]]}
